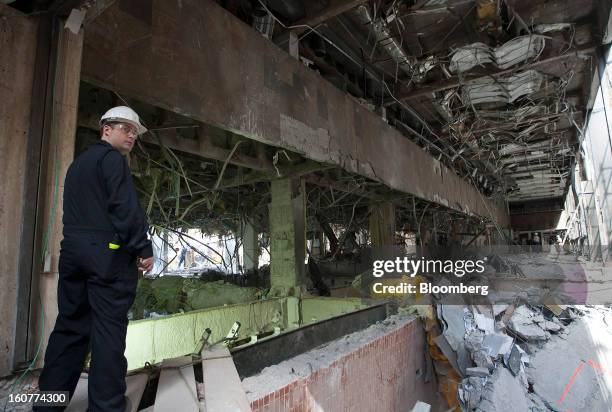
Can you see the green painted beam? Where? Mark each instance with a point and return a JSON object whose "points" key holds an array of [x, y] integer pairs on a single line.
{"points": [[153, 340], [320, 308]]}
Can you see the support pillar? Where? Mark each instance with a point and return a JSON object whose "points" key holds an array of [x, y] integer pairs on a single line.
{"points": [[59, 157], [18, 45], [382, 224], [382, 230], [250, 248], [287, 216]]}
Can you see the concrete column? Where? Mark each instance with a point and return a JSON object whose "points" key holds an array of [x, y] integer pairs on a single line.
{"points": [[382, 224], [250, 248], [60, 156], [17, 57], [287, 237]]}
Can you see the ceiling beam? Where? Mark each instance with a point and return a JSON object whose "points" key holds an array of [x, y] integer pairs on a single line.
{"points": [[274, 99], [333, 9], [287, 171], [203, 147], [316, 16]]}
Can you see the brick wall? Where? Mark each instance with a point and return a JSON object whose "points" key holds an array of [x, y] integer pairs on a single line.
{"points": [[386, 374]]}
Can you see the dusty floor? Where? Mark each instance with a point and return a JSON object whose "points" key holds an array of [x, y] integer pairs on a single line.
{"points": [[13, 384]]}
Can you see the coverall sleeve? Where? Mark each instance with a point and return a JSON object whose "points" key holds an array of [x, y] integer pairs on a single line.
{"points": [[124, 210]]}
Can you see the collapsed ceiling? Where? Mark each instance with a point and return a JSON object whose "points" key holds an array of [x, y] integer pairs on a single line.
{"points": [[497, 90]]}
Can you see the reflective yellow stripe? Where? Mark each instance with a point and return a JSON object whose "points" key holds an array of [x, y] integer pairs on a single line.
{"points": [[113, 246]]}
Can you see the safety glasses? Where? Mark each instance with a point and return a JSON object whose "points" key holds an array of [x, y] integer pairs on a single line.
{"points": [[128, 129]]}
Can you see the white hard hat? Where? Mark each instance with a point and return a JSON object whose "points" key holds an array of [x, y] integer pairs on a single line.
{"points": [[123, 114]]}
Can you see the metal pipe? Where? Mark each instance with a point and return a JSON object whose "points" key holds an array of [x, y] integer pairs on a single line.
{"points": [[385, 38]]}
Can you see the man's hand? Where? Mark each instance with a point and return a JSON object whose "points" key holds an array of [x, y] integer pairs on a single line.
{"points": [[145, 265]]}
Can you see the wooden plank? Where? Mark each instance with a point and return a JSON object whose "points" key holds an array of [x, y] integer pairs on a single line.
{"points": [[223, 390], [176, 390]]}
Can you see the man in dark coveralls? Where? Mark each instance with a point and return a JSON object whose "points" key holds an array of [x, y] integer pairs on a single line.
{"points": [[105, 244]]}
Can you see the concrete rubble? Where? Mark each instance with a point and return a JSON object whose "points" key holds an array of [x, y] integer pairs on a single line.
{"points": [[494, 349]]}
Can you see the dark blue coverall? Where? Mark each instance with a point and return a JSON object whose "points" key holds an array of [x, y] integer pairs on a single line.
{"points": [[97, 284]]}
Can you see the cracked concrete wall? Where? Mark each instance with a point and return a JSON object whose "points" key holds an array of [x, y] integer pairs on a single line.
{"points": [[17, 54], [247, 85]]}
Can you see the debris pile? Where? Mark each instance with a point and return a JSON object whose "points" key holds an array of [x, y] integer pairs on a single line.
{"points": [[489, 347]]}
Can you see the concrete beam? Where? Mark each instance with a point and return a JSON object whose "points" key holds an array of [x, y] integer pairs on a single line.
{"points": [[334, 8], [247, 85]]}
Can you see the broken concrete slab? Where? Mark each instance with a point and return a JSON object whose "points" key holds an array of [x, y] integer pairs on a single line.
{"points": [[523, 323], [497, 344], [514, 361], [479, 372], [453, 317], [446, 349], [482, 359], [550, 326], [497, 309], [454, 324], [421, 407], [528, 331], [484, 323], [470, 392], [503, 393], [474, 339]]}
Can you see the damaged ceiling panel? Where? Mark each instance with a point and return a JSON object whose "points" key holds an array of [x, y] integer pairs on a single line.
{"points": [[504, 90], [491, 89], [513, 52], [488, 88], [495, 91]]}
